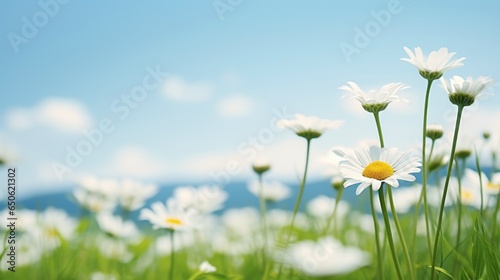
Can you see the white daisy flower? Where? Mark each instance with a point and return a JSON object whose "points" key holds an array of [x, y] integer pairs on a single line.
{"points": [[309, 127], [170, 216], [373, 166], [206, 267], [271, 190], [434, 131], [261, 165], [433, 66], [116, 226], [322, 207], [205, 199], [493, 186], [53, 226], [325, 257], [375, 100], [463, 92], [114, 249], [132, 194]]}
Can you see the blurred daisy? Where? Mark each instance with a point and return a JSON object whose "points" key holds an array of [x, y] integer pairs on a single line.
{"points": [[404, 199], [116, 226], [325, 257], [206, 267], [171, 216], [373, 166], [101, 276], [375, 100], [94, 202], [132, 194], [493, 187], [272, 191], [260, 166], [114, 249], [433, 66], [52, 227], [309, 127], [205, 199], [323, 206], [471, 189], [96, 195], [434, 131], [463, 92]]}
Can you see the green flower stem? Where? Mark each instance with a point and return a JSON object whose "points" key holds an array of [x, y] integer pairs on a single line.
{"points": [[299, 198], [445, 191], [495, 219], [393, 209], [377, 236], [172, 255], [401, 235], [263, 225], [479, 172], [388, 231], [459, 201], [425, 167], [301, 192], [379, 129], [334, 213]]}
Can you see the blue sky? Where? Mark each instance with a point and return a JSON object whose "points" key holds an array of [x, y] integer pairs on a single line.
{"points": [[228, 72]]}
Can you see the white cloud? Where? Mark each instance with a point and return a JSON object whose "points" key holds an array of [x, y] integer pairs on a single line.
{"points": [[177, 89], [137, 162], [63, 114], [235, 106]]}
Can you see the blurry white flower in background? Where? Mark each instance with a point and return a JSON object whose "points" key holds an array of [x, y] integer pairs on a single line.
{"points": [[26, 247], [309, 127], [205, 199], [325, 257], [96, 195], [471, 189], [116, 226], [114, 249], [132, 194], [322, 207], [163, 245], [206, 267], [171, 215], [93, 202], [404, 198], [101, 276], [99, 195], [272, 191], [242, 221], [52, 227]]}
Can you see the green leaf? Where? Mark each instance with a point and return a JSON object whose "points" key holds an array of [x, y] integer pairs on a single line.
{"points": [[442, 270]]}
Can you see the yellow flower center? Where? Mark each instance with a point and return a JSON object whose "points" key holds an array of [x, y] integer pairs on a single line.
{"points": [[378, 170], [51, 232], [467, 196], [493, 187], [173, 221]]}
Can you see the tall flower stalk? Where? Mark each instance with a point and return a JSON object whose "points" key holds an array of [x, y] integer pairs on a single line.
{"points": [[430, 68], [373, 102], [307, 127], [462, 93], [260, 169], [394, 213]]}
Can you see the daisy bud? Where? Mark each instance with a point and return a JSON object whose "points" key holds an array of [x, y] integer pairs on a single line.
{"points": [[434, 131]]}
